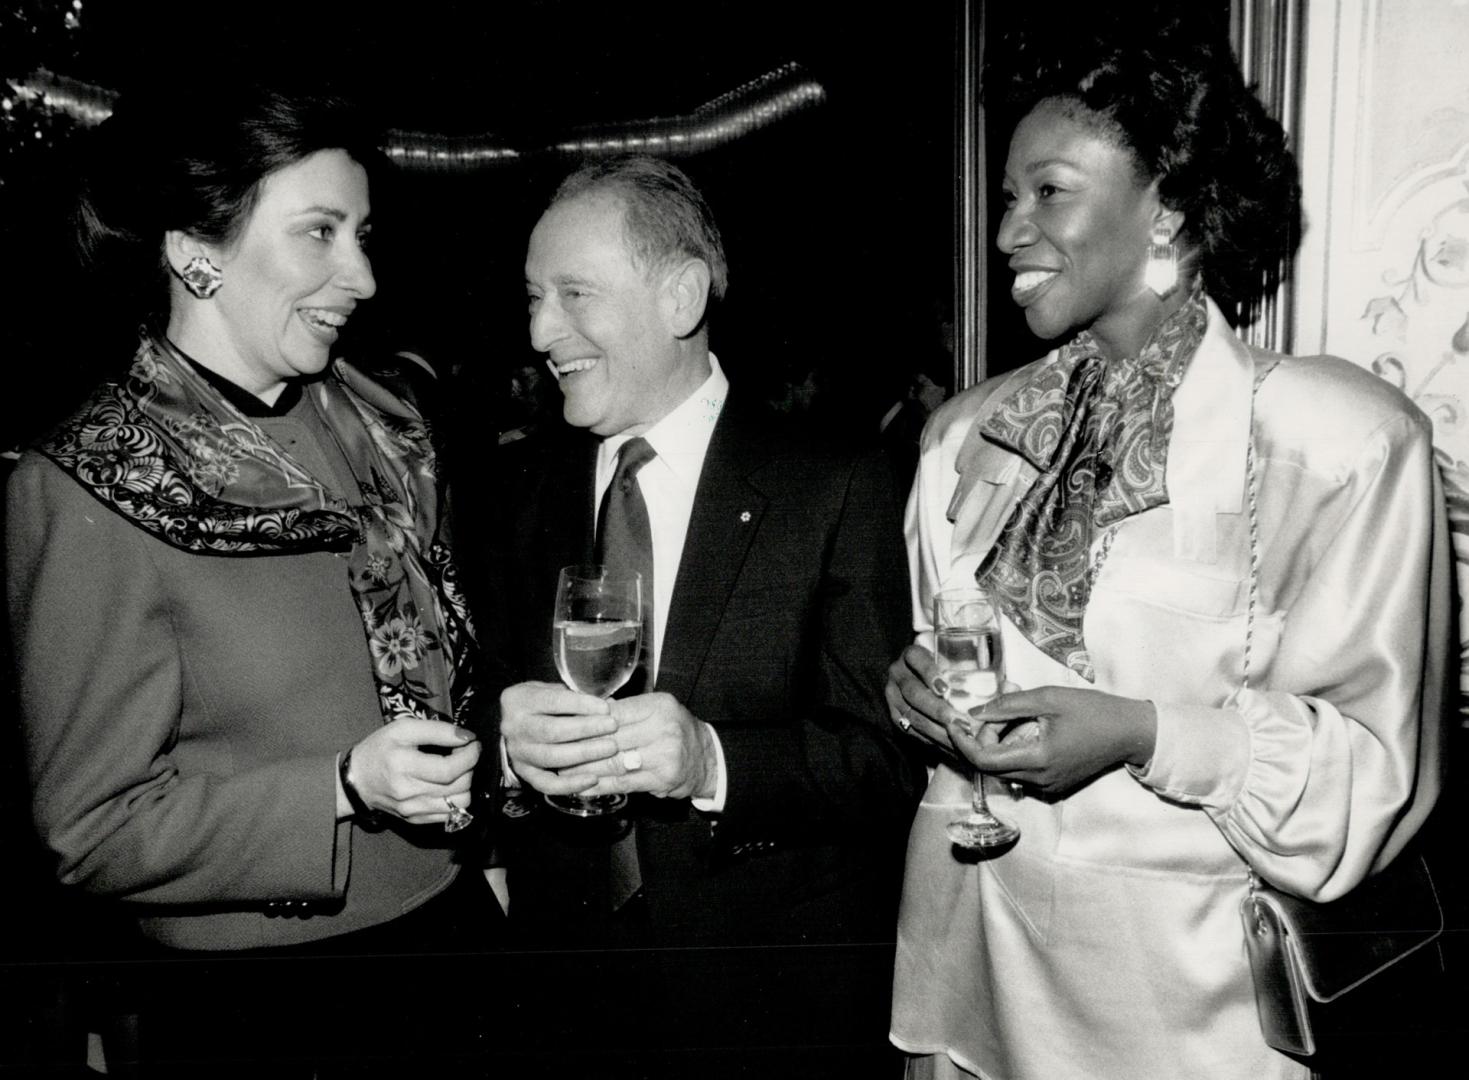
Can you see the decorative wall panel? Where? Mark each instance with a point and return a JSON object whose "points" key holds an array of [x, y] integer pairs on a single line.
{"points": [[1383, 273]]}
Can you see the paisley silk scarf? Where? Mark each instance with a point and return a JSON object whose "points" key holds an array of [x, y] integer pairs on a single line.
{"points": [[167, 452], [1098, 432]]}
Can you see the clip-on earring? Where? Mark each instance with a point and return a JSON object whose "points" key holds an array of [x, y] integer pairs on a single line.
{"points": [[201, 277], [1161, 272]]}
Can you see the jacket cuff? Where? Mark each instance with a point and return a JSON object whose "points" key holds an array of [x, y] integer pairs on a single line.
{"points": [[1200, 757]]}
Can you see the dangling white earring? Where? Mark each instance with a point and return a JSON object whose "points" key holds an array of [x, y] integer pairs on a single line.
{"points": [[1161, 272]]}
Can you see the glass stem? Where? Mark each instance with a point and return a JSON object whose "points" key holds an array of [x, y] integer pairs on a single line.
{"points": [[978, 803]]}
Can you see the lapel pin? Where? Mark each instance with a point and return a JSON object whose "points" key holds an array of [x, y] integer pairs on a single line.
{"points": [[745, 516]]}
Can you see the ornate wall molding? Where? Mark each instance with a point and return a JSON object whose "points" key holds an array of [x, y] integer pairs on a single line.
{"points": [[1383, 273]]}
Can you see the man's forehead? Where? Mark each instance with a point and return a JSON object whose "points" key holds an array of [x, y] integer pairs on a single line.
{"points": [[584, 243], [569, 232], [593, 215]]}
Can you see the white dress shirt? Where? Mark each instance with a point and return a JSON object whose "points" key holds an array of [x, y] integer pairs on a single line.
{"points": [[668, 483]]}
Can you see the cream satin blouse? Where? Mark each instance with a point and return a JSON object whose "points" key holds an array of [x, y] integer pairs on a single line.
{"points": [[1107, 942]]}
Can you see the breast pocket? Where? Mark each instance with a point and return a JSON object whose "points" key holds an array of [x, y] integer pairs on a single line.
{"points": [[1174, 585], [1165, 630]]}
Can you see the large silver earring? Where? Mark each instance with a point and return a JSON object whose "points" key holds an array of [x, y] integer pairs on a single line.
{"points": [[201, 277], [1161, 272]]}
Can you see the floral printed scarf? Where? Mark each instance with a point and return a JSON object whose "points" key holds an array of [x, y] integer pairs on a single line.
{"points": [[162, 448], [1098, 432]]}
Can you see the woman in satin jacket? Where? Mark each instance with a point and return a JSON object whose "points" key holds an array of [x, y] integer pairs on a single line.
{"points": [[1156, 509]]}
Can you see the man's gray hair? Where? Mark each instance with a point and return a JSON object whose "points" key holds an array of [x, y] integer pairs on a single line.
{"points": [[665, 217]]}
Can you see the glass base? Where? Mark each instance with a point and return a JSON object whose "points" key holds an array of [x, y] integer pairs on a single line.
{"points": [[587, 805], [976, 832]]}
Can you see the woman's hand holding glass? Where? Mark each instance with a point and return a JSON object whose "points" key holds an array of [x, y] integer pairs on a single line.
{"points": [[969, 657], [936, 698], [1071, 736], [915, 706], [393, 772], [1051, 739]]}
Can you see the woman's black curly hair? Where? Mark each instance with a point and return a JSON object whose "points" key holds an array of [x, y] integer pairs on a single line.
{"points": [[1164, 82]]}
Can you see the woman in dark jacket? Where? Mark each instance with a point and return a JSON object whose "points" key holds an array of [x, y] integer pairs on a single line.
{"points": [[243, 657]]}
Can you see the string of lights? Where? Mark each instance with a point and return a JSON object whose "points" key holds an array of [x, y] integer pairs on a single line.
{"points": [[758, 103]]}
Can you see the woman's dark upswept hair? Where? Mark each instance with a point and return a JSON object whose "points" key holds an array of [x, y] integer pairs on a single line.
{"points": [[170, 163], [1163, 82]]}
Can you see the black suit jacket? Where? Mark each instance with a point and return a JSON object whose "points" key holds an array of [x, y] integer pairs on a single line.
{"points": [[791, 599]]}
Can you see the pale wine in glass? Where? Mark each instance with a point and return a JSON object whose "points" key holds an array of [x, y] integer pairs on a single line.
{"points": [[970, 660], [596, 636]]}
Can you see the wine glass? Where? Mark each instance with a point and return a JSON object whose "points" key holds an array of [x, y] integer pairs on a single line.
{"points": [[971, 671], [597, 634]]}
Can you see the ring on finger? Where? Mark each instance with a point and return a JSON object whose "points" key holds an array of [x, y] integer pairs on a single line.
{"points": [[904, 721], [459, 818], [632, 761]]}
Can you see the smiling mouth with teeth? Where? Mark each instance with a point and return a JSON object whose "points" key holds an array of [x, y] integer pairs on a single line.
{"points": [[1030, 280], [324, 320], [570, 367]]}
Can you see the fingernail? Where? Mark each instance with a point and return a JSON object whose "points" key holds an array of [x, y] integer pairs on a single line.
{"points": [[941, 687]]}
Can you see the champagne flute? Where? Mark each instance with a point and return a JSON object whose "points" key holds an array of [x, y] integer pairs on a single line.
{"points": [[971, 671], [597, 633]]}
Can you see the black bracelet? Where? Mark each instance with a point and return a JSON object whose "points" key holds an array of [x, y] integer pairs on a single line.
{"points": [[366, 816]]}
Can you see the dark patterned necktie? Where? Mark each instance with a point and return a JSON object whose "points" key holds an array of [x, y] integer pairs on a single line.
{"points": [[625, 542]]}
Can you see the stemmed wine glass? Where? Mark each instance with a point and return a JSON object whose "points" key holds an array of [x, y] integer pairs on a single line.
{"points": [[597, 633], [971, 671]]}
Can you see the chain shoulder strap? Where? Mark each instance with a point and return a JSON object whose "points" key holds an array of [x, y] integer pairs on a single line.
{"points": [[1252, 500], [1252, 497]]}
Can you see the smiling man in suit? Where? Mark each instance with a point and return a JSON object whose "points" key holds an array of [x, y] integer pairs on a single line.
{"points": [[770, 798]]}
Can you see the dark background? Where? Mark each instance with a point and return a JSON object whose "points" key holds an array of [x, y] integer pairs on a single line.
{"points": [[839, 220]]}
